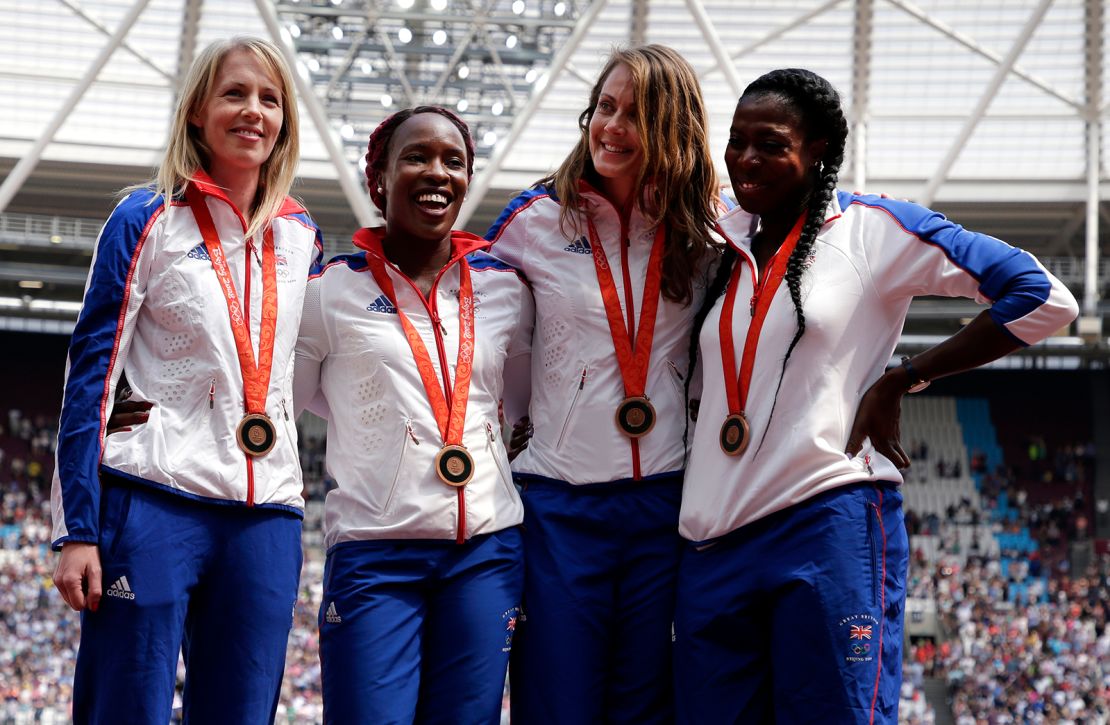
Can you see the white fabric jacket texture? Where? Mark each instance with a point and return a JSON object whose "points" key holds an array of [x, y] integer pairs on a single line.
{"points": [[870, 259], [576, 379], [355, 367], [153, 308]]}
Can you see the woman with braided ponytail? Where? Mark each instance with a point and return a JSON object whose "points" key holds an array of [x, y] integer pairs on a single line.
{"points": [[791, 587]]}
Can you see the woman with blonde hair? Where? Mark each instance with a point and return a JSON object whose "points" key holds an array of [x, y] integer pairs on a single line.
{"points": [[183, 534], [616, 245]]}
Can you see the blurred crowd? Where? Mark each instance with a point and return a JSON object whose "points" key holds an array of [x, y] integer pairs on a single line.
{"points": [[1023, 635]]}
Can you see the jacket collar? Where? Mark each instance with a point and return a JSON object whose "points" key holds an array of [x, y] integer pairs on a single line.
{"points": [[204, 183], [462, 243], [738, 226]]}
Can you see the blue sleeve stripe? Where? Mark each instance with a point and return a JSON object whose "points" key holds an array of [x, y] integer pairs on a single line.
{"points": [[484, 260], [1007, 276], [93, 352], [522, 201]]}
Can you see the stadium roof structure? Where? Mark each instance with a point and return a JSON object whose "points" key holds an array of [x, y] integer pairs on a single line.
{"points": [[991, 111]]}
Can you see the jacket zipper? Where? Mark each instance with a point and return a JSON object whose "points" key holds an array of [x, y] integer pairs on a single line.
{"points": [[409, 434], [679, 380], [573, 403], [505, 478], [247, 318], [439, 331]]}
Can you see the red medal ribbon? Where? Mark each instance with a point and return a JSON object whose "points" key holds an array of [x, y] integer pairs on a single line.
{"points": [[256, 378], [633, 363], [450, 416], [736, 388]]}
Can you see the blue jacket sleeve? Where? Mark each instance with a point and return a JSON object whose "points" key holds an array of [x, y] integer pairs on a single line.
{"points": [[97, 350]]}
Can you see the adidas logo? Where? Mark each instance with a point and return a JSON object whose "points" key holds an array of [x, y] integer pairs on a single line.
{"points": [[382, 305], [331, 616], [579, 246], [121, 589], [199, 252]]}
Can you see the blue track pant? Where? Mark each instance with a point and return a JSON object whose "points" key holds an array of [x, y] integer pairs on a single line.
{"points": [[796, 618], [600, 565], [418, 630], [217, 583]]}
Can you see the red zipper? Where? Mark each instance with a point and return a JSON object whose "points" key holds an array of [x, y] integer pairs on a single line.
{"points": [[437, 332], [247, 317]]}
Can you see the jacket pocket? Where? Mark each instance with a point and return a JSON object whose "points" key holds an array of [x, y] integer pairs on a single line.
{"points": [[497, 452], [573, 404], [408, 439]]}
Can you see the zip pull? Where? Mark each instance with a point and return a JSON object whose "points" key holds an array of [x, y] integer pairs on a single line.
{"points": [[751, 305], [438, 321], [675, 368], [489, 430], [212, 394], [284, 409], [582, 381], [867, 462], [411, 432]]}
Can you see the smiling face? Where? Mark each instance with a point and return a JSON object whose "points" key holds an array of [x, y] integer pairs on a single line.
{"points": [[425, 178], [241, 118], [615, 146], [770, 161]]}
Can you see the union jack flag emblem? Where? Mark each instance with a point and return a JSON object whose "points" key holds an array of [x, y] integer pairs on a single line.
{"points": [[511, 625], [860, 632]]}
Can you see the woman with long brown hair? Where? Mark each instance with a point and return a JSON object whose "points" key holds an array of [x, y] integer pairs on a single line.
{"points": [[616, 246]]}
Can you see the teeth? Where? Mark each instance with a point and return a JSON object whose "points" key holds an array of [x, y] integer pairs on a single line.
{"points": [[613, 149], [248, 132], [434, 198]]}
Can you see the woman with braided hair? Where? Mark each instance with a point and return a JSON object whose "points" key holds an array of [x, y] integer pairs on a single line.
{"points": [[791, 586], [403, 346]]}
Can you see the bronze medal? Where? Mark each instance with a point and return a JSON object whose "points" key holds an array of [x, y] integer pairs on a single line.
{"points": [[256, 434], [454, 466], [735, 434], [636, 416]]}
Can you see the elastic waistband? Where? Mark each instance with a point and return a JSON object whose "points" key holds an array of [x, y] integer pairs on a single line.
{"points": [[622, 485], [775, 517], [112, 477]]}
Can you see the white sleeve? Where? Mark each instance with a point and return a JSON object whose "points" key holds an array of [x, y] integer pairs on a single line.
{"points": [[312, 348], [517, 391]]}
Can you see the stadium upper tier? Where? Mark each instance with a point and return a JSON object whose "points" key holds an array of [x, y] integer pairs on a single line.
{"points": [[991, 110]]}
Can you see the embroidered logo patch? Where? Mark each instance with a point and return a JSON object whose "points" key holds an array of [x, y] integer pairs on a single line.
{"points": [[382, 305], [199, 252], [579, 246], [859, 632], [510, 617]]}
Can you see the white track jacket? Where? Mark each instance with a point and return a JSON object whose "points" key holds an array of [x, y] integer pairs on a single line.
{"points": [[153, 307], [355, 367], [576, 380], [870, 259]]}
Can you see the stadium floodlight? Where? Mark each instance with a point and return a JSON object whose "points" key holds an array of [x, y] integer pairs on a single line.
{"points": [[481, 57]]}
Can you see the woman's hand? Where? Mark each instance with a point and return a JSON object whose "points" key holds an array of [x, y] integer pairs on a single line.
{"points": [[77, 575], [879, 418], [518, 441], [127, 413]]}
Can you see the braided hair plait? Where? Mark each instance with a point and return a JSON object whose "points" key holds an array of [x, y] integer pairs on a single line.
{"points": [[818, 105], [377, 149]]}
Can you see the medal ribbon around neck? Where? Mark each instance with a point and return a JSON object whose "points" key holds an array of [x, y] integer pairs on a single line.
{"points": [[256, 378], [736, 387], [450, 416], [633, 363]]}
